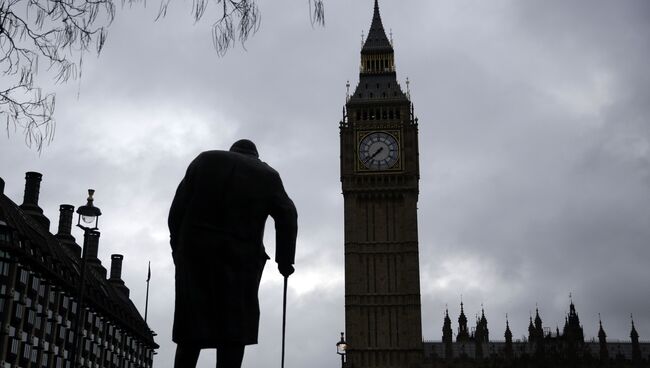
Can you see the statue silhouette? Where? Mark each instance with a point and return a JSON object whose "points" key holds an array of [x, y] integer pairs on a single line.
{"points": [[216, 225]]}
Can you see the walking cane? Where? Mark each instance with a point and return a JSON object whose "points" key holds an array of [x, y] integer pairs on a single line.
{"points": [[284, 316]]}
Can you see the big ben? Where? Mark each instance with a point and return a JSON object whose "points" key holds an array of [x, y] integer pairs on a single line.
{"points": [[379, 177]]}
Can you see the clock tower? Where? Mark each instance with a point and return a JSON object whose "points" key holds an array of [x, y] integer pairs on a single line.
{"points": [[379, 176]]}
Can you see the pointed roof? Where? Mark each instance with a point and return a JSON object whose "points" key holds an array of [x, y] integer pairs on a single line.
{"points": [[446, 328], [538, 319], [376, 40], [633, 334], [483, 320], [601, 332], [462, 319]]}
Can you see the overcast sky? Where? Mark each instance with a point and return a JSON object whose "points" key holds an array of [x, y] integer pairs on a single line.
{"points": [[534, 154]]}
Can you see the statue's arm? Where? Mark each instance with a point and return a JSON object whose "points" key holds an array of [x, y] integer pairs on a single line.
{"points": [[285, 217]]}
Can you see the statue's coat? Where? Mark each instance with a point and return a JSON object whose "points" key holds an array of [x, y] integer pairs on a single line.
{"points": [[216, 225]]}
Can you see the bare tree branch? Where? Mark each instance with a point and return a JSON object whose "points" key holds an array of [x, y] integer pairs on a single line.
{"points": [[57, 33]]}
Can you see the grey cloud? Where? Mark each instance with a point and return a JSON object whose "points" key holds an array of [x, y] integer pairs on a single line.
{"points": [[533, 146]]}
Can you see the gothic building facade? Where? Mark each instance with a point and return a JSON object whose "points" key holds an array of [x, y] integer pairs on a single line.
{"points": [[40, 279], [379, 165], [542, 348], [379, 177]]}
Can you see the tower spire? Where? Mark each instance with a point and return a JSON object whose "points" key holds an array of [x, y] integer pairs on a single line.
{"points": [[508, 335], [377, 41], [636, 349], [602, 340], [463, 333]]}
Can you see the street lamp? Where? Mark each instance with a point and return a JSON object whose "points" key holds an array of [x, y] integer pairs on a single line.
{"points": [[88, 221], [88, 214], [341, 349]]}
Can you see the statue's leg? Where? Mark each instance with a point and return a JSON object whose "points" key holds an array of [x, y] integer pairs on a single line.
{"points": [[186, 356], [230, 355]]}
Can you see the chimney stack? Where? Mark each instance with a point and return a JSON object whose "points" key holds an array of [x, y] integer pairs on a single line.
{"points": [[32, 188], [92, 249], [2, 186], [116, 267], [116, 274], [66, 213], [30, 199], [92, 245]]}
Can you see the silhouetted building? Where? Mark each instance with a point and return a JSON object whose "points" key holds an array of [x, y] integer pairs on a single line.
{"points": [[542, 348], [39, 283], [380, 182], [379, 177]]}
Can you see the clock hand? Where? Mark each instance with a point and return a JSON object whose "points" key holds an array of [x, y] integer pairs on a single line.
{"points": [[374, 154]]}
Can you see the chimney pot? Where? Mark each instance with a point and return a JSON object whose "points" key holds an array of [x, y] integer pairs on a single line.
{"points": [[32, 188], [30, 199], [92, 245], [116, 266], [66, 213]]}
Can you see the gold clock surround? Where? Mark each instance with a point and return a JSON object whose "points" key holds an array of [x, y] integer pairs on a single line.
{"points": [[361, 134]]}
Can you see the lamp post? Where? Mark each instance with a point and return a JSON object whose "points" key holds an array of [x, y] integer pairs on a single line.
{"points": [[341, 349], [88, 221]]}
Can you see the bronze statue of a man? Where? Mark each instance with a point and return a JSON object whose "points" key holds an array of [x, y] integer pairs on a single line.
{"points": [[216, 225]]}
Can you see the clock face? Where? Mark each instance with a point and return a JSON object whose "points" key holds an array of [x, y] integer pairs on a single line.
{"points": [[378, 151]]}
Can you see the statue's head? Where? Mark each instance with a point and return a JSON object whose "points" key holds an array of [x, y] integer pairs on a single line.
{"points": [[244, 146]]}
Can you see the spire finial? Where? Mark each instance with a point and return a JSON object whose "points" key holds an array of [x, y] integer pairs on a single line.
{"points": [[600, 325], [347, 95], [408, 95]]}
